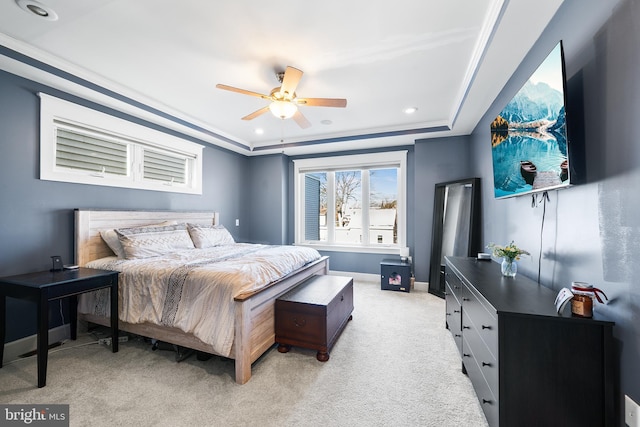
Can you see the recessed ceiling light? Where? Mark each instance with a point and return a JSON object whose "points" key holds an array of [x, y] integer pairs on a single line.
{"points": [[38, 9], [326, 122], [259, 131], [410, 110]]}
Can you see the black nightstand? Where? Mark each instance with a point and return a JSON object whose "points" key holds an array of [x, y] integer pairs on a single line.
{"points": [[45, 286], [395, 275]]}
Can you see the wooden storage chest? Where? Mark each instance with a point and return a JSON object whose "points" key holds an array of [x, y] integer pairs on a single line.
{"points": [[313, 314]]}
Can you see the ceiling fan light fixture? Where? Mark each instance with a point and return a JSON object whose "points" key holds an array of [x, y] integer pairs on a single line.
{"points": [[283, 109]]}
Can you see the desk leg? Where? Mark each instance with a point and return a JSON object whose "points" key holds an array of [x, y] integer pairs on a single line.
{"points": [[3, 325], [73, 316], [43, 338], [115, 334]]}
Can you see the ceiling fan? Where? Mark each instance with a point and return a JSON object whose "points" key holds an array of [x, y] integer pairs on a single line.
{"points": [[284, 100]]}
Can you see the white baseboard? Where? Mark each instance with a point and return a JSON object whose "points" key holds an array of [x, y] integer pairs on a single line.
{"points": [[14, 349], [361, 277], [368, 277]]}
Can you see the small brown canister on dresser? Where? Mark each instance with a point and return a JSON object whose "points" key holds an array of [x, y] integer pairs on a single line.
{"points": [[582, 305], [582, 301]]}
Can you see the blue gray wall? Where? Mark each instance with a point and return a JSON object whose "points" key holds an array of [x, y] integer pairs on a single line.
{"points": [[266, 200], [36, 217], [592, 231], [436, 160]]}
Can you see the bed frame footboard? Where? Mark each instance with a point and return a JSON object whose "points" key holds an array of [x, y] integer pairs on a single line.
{"points": [[254, 322]]}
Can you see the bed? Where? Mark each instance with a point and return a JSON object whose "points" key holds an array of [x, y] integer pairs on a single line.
{"points": [[252, 308]]}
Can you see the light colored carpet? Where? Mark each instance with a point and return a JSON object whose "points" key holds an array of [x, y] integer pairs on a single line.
{"points": [[395, 364]]}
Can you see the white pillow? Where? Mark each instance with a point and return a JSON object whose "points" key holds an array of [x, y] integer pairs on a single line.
{"points": [[145, 242], [207, 236], [110, 237]]}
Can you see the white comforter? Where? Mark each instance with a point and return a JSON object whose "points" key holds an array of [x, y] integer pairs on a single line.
{"points": [[194, 290]]}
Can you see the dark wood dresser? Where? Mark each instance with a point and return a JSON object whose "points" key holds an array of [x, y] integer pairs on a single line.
{"points": [[528, 365], [313, 314]]}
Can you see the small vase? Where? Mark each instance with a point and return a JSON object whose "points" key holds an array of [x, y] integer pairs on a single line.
{"points": [[509, 267]]}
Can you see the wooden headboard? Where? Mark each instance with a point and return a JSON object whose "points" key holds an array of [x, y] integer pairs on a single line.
{"points": [[88, 223]]}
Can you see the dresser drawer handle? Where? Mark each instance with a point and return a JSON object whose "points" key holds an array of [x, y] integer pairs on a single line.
{"points": [[457, 335], [466, 299], [486, 364], [486, 327], [466, 327], [456, 311], [341, 297], [466, 355], [299, 324], [489, 401], [448, 314]]}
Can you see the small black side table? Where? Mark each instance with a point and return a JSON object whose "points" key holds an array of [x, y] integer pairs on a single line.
{"points": [[45, 286], [395, 275]]}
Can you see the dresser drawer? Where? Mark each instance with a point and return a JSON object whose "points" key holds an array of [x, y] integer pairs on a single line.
{"points": [[453, 316], [486, 361], [455, 285], [488, 402], [482, 317]]}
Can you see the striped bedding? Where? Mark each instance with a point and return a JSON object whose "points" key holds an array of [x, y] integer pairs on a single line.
{"points": [[194, 289]]}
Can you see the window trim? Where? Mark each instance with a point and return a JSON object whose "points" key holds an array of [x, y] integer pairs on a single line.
{"points": [[58, 113], [397, 159]]}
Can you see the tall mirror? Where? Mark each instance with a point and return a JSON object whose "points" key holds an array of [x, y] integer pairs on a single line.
{"points": [[456, 226]]}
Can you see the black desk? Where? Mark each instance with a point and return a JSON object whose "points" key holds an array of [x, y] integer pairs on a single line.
{"points": [[45, 286]]}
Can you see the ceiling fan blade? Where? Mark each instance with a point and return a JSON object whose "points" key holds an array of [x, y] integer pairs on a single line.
{"points": [[290, 81], [256, 113], [243, 91], [322, 102], [301, 120]]}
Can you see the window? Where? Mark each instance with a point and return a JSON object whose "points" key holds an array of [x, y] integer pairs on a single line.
{"points": [[351, 203], [81, 145]]}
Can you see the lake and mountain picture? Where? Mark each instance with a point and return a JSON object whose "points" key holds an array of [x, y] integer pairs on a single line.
{"points": [[529, 138]]}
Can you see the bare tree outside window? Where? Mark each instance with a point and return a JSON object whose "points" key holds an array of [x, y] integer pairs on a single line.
{"points": [[348, 186]]}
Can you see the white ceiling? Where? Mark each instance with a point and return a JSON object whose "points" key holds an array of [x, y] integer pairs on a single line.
{"points": [[447, 58]]}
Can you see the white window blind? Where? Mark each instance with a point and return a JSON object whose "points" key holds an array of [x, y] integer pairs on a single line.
{"points": [[77, 150], [81, 145], [164, 167]]}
